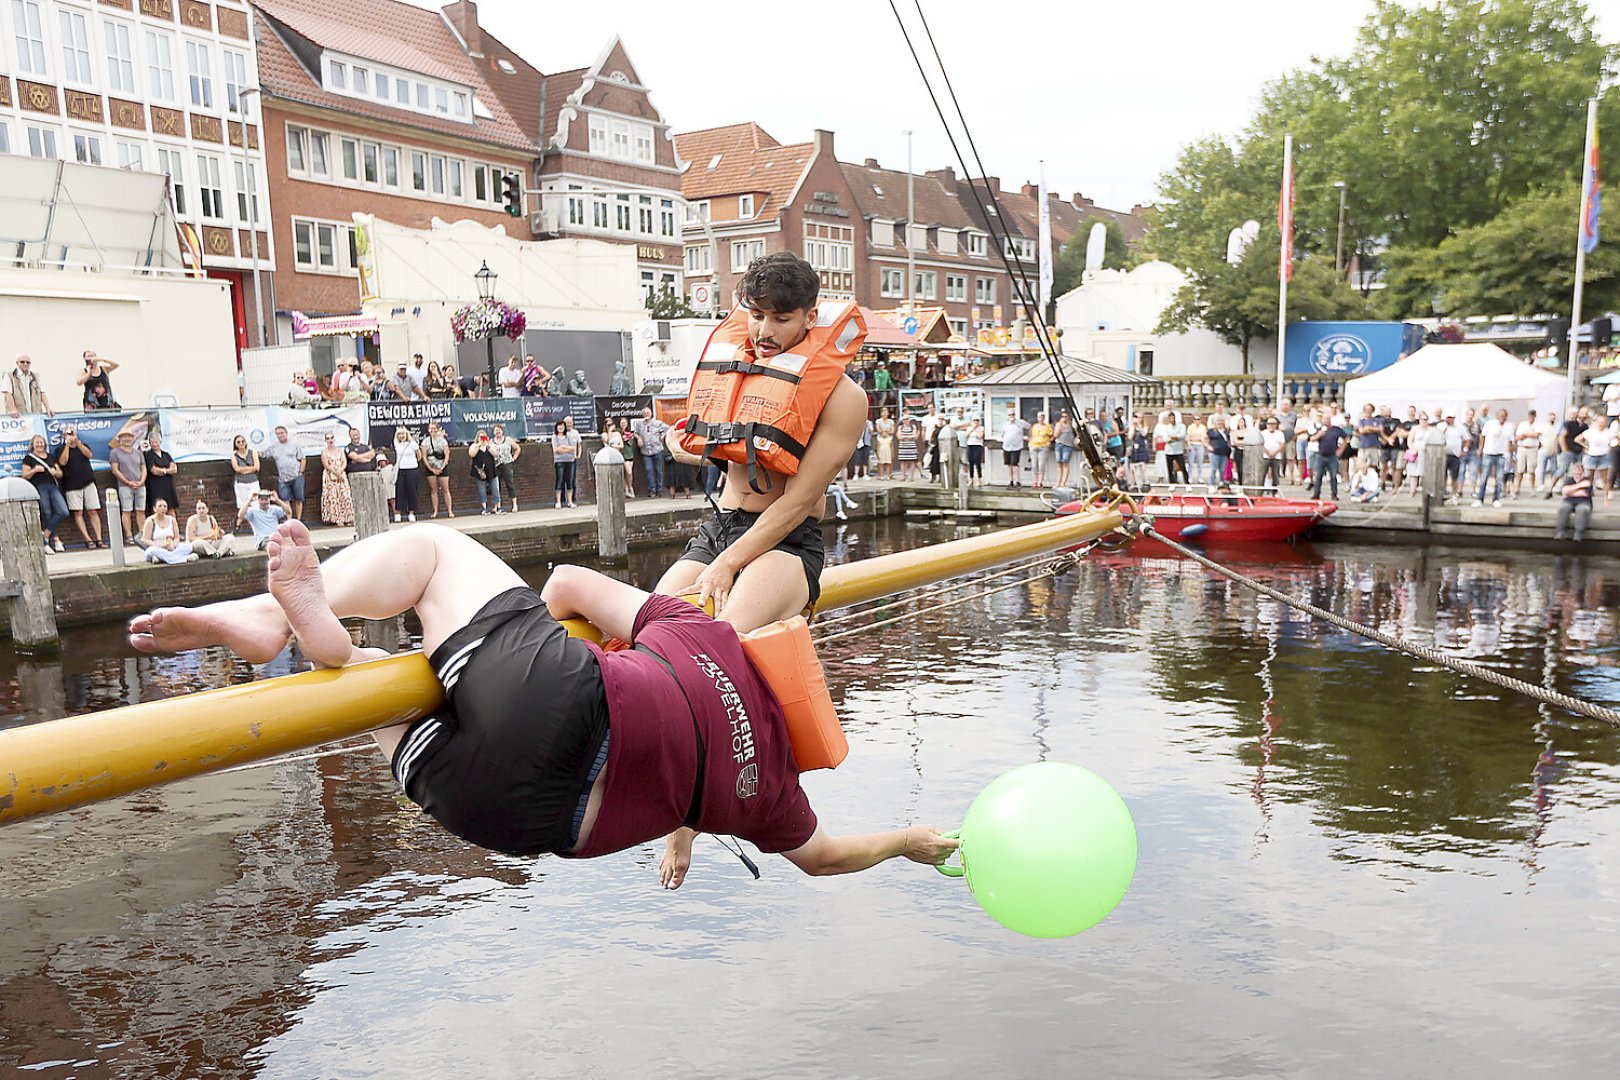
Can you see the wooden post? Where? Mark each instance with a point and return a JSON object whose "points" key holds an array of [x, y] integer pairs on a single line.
{"points": [[612, 531], [1434, 467], [27, 581], [115, 525], [949, 461], [370, 518], [1254, 465]]}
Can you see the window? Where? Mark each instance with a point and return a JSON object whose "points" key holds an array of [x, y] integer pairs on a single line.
{"points": [[247, 192], [599, 211], [199, 68], [644, 143], [666, 217], [830, 247], [946, 239], [129, 155], [86, 148], [481, 183], [984, 290], [621, 140], [699, 259], [892, 282], [599, 135], [384, 87], [956, 287], [418, 171], [303, 244], [647, 285], [437, 173], [925, 286], [455, 179], [460, 108], [402, 92], [41, 142], [120, 58], [391, 166], [370, 155], [744, 252], [75, 46], [697, 212], [441, 99], [351, 158], [337, 73], [159, 66], [644, 214], [422, 96], [576, 205], [325, 246], [172, 165], [745, 206], [976, 244], [297, 149], [362, 81], [208, 182], [30, 34], [236, 81], [5, 138], [621, 209], [320, 145], [958, 328]]}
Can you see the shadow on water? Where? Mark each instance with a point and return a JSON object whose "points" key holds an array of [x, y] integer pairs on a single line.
{"points": [[305, 920]]}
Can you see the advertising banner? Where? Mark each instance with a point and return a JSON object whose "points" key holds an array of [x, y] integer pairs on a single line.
{"points": [[1348, 348], [623, 408], [916, 402], [969, 399], [383, 418], [207, 434], [309, 427], [542, 415], [98, 429], [15, 431], [472, 414]]}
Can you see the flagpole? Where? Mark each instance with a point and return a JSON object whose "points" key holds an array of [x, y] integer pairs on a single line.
{"points": [[1044, 223], [1284, 258], [1587, 184]]}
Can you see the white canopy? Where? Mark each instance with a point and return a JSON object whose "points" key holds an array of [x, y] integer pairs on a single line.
{"points": [[1476, 374]]}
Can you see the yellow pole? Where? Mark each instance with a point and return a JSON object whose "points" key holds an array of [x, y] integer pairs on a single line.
{"points": [[65, 763]]}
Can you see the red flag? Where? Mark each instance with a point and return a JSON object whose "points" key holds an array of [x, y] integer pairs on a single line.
{"points": [[1285, 218]]}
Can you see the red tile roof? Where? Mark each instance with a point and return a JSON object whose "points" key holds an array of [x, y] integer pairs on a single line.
{"points": [[741, 158], [417, 40], [883, 334]]}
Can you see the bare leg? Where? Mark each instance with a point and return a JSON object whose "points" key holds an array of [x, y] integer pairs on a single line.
{"points": [[770, 588]]}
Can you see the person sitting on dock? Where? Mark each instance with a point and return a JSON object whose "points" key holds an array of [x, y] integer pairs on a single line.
{"points": [[1577, 505], [1368, 483], [546, 743], [759, 556]]}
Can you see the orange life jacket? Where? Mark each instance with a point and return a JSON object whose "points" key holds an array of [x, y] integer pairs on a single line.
{"points": [[785, 658], [761, 413]]}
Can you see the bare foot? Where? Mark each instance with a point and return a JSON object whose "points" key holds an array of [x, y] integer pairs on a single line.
{"points": [[253, 628], [295, 582]]}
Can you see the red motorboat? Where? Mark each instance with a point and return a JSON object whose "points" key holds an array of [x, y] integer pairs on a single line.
{"points": [[1222, 517]]}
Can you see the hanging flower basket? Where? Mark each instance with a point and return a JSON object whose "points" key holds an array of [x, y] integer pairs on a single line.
{"points": [[487, 319]]}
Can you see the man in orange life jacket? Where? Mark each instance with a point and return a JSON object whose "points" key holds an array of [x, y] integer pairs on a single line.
{"points": [[546, 743], [759, 557]]}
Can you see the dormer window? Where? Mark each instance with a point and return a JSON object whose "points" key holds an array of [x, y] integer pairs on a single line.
{"points": [[337, 72], [745, 206]]}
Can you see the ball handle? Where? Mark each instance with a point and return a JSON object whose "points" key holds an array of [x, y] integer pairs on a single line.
{"points": [[952, 869]]}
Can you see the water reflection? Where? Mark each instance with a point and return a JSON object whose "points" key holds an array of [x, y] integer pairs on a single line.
{"points": [[302, 920]]}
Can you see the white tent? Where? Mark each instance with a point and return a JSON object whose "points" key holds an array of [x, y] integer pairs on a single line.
{"points": [[1476, 374]]}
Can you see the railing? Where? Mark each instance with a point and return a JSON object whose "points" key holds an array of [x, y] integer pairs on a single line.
{"points": [[1200, 391]]}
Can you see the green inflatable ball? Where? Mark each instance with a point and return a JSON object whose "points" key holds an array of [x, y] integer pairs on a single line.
{"points": [[1047, 849]]}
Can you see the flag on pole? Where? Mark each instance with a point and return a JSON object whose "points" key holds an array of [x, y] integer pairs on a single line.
{"points": [[1591, 195], [1046, 245], [1285, 215]]}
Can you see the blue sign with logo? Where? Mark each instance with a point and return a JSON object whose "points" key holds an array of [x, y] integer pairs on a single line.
{"points": [[910, 325], [1348, 348]]}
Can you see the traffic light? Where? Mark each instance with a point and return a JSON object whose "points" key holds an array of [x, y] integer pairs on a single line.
{"points": [[512, 193]]}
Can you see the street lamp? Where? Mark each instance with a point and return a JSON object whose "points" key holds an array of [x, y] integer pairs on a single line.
{"points": [[1338, 247], [251, 197], [486, 291]]}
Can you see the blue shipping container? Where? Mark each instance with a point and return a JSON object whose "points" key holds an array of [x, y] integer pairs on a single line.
{"points": [[1348, 348]]}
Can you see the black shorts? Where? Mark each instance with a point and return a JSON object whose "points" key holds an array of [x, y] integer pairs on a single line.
{"points": [[509, 762], [721, 529], [1387, 455], [1453, 466]]}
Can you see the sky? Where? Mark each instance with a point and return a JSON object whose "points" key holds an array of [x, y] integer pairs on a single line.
{"points": [[1105, 93]]}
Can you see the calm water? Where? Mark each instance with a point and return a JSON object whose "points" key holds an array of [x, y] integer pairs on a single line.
{"points": [[1349, 866]]}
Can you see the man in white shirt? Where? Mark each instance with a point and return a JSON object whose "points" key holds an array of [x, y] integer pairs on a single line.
{"points": [[1526, 451], [510, 379], [415, 381], [1273, 446], [1495, 436], [1547, 455]]}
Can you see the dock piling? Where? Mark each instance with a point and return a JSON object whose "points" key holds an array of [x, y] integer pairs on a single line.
{"points": [[27, 585], [370, 518], [612, 530]]}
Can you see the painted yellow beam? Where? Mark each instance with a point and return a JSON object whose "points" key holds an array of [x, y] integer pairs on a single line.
{"points": [[77, 760]]}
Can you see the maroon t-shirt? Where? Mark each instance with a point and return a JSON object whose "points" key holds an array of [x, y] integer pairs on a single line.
{"points": [[751, 782]]}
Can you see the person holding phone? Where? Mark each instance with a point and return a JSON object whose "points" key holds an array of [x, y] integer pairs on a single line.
{"points": [[79, 486], [97, 386], [484, 473]]}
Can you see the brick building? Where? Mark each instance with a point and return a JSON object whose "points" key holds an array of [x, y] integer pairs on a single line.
{"points": [[748, 195], [608, 167], [150, 86], [383, 108]]}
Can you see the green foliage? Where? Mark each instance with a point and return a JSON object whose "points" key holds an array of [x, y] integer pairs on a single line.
{"points": [[1070, 263], [1239, 303], [1439, 118], [666, 303]]}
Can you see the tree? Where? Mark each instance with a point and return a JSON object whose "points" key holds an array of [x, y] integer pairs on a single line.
{"points": [[1521, 261], [1239, 303], [1070, 263], [666, 303]]}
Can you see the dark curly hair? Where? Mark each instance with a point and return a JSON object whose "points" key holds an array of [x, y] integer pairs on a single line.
{"points": [[781, 281]]}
